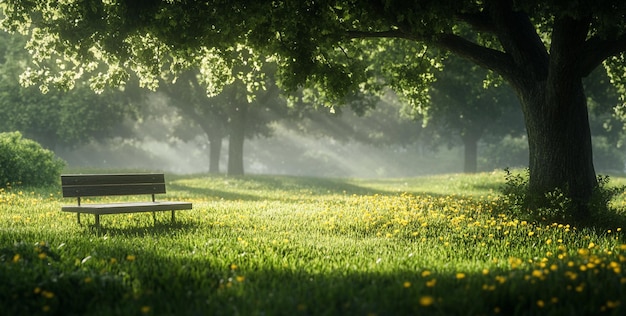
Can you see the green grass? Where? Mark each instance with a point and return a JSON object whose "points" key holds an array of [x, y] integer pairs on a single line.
{"points": [[270, 245]]}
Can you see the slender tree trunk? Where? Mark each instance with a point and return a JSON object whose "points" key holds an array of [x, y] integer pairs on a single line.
{"points": [[559, 140], [237, 133], [214, 132], [470, 143], [215, 151]]}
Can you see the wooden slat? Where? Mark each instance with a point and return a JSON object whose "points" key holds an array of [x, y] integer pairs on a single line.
{"points": [[110, 189], [95, 179], [116, 208]]}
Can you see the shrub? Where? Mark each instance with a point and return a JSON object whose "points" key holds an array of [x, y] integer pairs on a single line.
{"points": [[555, 205], [24, 161]]}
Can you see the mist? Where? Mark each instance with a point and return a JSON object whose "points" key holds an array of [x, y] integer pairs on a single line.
{"points": [[161, 139], [286, 153]]}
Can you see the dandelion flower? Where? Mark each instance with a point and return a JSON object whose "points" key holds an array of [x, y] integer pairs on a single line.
{"points": [[406, 284], [426, 300], [145, 309], [130, 258]]}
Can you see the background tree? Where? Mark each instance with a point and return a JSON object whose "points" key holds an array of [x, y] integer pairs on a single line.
{"points": [[543, 49], [235, 112], [465, 108], [607, 127]]}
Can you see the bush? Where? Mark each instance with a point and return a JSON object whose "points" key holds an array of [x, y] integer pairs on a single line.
{"points": [[24, 161], [555, 205]]}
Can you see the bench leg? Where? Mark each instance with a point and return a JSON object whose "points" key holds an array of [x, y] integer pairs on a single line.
{"points": [[78, 218], [97, 220], [154, 217], [173, 218]]}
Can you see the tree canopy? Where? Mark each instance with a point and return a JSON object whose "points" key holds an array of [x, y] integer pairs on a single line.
{"points": [[543, 49], [57, 118]]}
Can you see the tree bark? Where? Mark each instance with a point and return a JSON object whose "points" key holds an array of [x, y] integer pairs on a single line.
{"points": [[559, 139]]}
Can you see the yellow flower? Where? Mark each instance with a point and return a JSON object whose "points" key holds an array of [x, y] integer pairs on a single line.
{"points": [[580, 288], [130, 258], [42, 255], [541, 303], [406, 284], [47, 294], [145, 309], [425, 273], [460, 275], [426, 300], [431, 283], [16, 258], [240, 278]]}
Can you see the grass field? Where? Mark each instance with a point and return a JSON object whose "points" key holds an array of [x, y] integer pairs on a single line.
{"points": [[269, 245]]}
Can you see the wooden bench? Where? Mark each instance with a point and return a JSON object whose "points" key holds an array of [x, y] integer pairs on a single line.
{"points": [[96, 185]]}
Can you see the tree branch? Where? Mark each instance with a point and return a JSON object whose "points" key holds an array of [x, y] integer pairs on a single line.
{"points": [[485, 57], [596, 50], [381, 34], [480, 22], [519, 38], [488, 58]]}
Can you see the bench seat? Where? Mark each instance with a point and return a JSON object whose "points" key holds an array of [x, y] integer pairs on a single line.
{"points": [[127, 207]]}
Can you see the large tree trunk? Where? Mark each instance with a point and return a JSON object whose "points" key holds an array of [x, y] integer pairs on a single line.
{"points": [[237, 133], [559, 140]]}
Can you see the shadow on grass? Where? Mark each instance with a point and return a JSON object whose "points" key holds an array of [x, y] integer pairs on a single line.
{"points": [[213, 193], [204, 284], [258, 184], [160, 228]]}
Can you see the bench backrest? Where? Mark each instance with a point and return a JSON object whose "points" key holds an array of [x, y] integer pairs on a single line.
{"points": [[77, 185]]}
